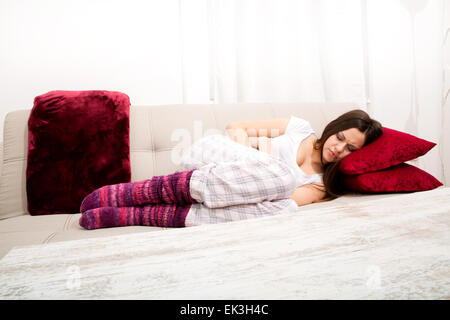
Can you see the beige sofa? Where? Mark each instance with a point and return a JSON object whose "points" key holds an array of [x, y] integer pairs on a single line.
{"points": [[326, 250], [154, 132]]}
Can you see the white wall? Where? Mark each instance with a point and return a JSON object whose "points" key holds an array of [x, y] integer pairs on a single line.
{"points": [[132, 46]]}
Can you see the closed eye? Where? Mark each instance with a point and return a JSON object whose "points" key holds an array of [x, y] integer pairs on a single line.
{"points": [[342, 138]]}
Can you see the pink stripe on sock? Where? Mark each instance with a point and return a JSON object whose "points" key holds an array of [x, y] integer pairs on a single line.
{"points": [[135, 194], [102, 197], [158, 215], [141, 198], [145, 216], [120, 199], [137, 220], [114, 195], [143, 190], [123, 213], [97, 223], [151, 214], [107, 196]]}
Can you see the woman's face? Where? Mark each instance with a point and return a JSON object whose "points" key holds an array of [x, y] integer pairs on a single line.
{"points": [[341, 144]]}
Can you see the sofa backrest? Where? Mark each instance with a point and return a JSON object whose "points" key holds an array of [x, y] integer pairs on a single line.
{"points": [[158, 135]]}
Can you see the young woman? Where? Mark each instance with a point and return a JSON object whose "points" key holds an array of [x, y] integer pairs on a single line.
{"points": [[261, 168]]}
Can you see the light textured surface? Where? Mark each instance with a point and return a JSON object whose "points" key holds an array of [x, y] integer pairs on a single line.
{"points": [[357, 247]]}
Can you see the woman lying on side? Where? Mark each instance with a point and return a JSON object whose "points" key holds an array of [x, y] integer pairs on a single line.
{"points": [[263, 167]]}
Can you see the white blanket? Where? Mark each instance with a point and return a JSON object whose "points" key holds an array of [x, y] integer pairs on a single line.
{"points": [[394, 246]]}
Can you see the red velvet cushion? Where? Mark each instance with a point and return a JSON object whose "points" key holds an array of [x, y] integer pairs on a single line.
{"points": [[403, 177], [391, 148], [77, 141]]}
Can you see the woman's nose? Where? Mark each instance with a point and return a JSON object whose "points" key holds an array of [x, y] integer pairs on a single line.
{"points": [[341, 146]]}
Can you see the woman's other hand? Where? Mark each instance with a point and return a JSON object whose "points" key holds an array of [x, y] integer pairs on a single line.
{"points": [[257, 133], [239, 135], [262, 144]]}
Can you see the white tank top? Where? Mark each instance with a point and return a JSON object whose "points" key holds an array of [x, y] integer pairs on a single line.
{"points": [[285, 148]]}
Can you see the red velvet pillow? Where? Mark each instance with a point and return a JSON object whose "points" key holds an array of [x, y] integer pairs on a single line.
{"points": [[403, 177], [77, 141], [391, 148]]}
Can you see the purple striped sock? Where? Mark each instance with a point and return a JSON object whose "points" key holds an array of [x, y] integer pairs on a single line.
{"points": [[158, 215], [169, 189]]}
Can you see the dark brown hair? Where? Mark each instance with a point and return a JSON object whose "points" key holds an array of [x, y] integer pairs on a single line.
{"points": [[372, 129]]}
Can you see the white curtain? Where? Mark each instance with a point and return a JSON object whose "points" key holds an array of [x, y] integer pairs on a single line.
{"points": [[387, 56], [287, 50], [445, 94]]}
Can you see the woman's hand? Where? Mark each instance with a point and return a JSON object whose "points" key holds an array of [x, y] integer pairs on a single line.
{"points": [[309, 193], [257, 133], [262, 144], [241, 136]]}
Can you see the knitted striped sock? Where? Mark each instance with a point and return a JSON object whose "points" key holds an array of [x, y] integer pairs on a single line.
{"points": [[172, 188], [158, 215]]}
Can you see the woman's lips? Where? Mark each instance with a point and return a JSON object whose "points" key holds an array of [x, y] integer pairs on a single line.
{"points": [[332, 154]]}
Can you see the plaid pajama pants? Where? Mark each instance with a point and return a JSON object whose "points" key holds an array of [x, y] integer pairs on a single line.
{"points": [[234, 182]]}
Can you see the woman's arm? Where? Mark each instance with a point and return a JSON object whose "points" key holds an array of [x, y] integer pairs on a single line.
{"points": [[308, 194], [261, 128]]}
